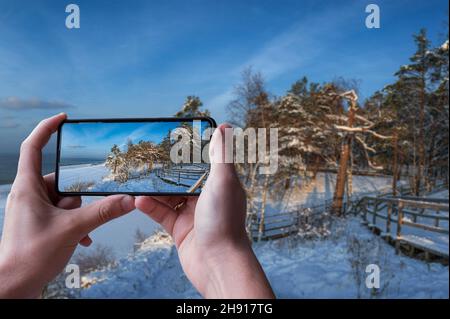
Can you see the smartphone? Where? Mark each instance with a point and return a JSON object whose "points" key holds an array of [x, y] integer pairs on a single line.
{"points": [[152, 156]]}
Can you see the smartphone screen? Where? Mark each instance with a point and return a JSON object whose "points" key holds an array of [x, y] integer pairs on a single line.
{"points": [[134, 156]]}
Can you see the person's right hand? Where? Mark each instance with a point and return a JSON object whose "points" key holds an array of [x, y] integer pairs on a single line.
{"points": [[209, 232]]}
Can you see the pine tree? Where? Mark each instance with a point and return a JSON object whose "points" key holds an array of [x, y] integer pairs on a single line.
{"points": [[192, 108], [416, 76], [439, 124], [114, 159]]}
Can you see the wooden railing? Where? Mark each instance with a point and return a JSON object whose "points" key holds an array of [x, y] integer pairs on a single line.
{"points": [[291, 222], [287, 223], [405, 212], [180, 176]]}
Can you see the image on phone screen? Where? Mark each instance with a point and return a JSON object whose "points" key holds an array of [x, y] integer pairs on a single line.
{"points": [[140, 156]]}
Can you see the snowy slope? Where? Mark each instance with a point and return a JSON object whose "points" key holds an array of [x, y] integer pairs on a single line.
{"points": [[68, 175], [296, 269], [98, 175], [117, 234], [322, 189]]}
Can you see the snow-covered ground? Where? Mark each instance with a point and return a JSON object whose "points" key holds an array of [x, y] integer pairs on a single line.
{"points": [[296, 269], [99, 180], [119, 234], [436, 241], [321, 190]]}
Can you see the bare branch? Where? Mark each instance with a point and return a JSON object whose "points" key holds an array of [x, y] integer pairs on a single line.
{"points": [[364, 145], [361, 130], [361, 118], [366, 153]]}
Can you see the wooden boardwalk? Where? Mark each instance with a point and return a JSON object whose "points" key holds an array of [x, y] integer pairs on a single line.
{"points": [[191, 177], [287, 223], [417, 226]]}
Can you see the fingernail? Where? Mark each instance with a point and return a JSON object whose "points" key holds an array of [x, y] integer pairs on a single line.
{"points": [[127, 203]]}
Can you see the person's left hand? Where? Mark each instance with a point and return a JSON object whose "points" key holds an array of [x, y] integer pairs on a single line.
{"points": [[41, 229]]}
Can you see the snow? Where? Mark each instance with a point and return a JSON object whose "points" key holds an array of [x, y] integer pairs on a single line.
{"points": [[69, 175], [4, 191], [321, 190], [443, 194], [438, 242], [99, 176], [117, 234], [296, 269], [123, 229]]}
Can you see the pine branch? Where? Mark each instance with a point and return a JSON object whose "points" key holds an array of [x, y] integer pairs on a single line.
{"points": [[361, 130]]}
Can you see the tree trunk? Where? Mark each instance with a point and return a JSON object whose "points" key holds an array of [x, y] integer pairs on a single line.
{"points": [[316, 167], [251, 214], [395, 166], [343, 163], [262, 221], [350, 176], [421, 140]]}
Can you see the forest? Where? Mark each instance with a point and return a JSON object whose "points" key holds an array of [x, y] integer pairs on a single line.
{"points": [[401, 130], [138, 158]]}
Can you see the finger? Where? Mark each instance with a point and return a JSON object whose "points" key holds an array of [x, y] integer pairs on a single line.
{"points": [[158, 211], [170, 201], [49, 181], [86, 241], [217, 152], [59, 201], [96, 214], [69, 202], [30, 151]]}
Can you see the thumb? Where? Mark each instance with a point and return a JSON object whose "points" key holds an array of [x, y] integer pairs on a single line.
{"points": [[96, 214], [221, 153]]}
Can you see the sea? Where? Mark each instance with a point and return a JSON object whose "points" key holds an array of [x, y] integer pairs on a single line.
{"points": [[8, 165]]}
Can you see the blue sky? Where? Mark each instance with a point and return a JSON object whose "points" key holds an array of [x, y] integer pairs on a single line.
{"points": [[95, 139], [142, 58]]}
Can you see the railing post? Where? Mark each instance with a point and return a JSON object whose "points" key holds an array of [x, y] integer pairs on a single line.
{"points": [[388, 221], [375, 209], [399, 226], [365, 209]]}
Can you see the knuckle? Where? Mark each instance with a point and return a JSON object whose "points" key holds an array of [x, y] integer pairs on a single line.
{"points": [[45, 127], [16, 196], [24, 145], [105, 212], [72, 222], [43, 123]]}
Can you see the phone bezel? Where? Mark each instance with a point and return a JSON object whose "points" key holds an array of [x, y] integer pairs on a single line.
{"points": [[122, 120]]}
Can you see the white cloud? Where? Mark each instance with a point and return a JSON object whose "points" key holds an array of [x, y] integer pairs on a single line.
{"points": [[16, 103]]}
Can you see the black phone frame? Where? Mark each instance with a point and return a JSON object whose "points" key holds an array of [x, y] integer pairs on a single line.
{"points": [[122, 120]]}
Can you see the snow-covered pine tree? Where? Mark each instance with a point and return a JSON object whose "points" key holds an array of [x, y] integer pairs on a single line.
{"points": [[421, 89], [192, 108], [117, 163], [416, 77], [146, 154], [357, 131], [437, 157], [114, 159]]}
